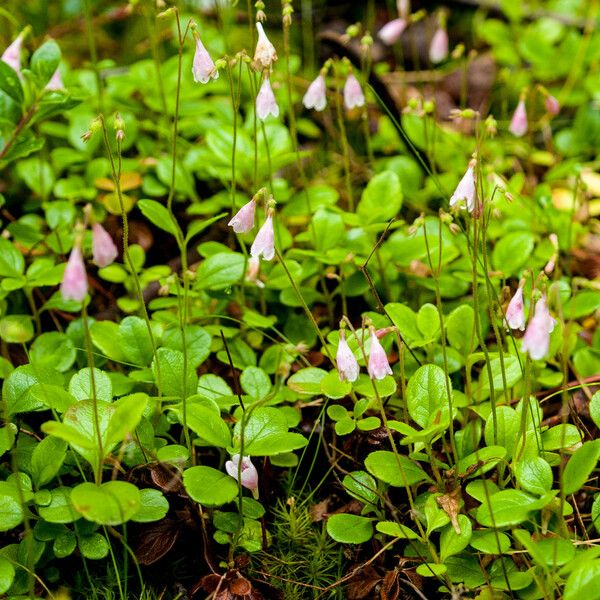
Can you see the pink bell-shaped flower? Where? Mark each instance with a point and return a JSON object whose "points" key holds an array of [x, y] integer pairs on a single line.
{"points": [[347, 365], [378, 365], [518, 123], [265, 54], [391, 32], [438, 49], [353, 94], [248, 475], [465, 193], [266, 104], [536, 340], [55, 84], [74, 285], [264, 242], [104, 249], [552, 105], [12, 55], [515, 312], [203, 67], [243, 220], [316, 94]]}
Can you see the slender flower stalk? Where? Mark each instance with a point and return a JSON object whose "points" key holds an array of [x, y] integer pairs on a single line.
{"points": [[347, 365], [378, 365]]}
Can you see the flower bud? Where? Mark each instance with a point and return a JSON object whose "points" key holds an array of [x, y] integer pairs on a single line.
{"points": [[518, 124], [353, 94], [438, 50], [74, 285], [347, 365], [103, 247], [378, 365]]}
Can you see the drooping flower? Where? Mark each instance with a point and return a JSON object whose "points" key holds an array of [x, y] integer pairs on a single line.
{"points": [[518, 123], [252, 271], [552, 105], [249, 474], [203, 66], [266, 104], [347, 365], [353, 94], [104, 249], [243, 220], [315, 96], [438, 49], [465, 192], [378, 365], [390, 33], [536, 340], [264, 242], [265, 54], [12, 55], [74, 285], [55, 84], [515, 312]]}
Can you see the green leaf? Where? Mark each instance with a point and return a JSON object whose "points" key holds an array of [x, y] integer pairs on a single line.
{"points": [[595, 408], [134, 341], [583, 582], [60, 509], [220, 271], [328, 229], [53, 349], [111, 503], [208, 424], [534, 475], [584, 303], [94, 546], [17, 388], [44, 61], [333, 388], [197, 343], [154, 506], [398, 471], [396, 530], [255, 382], [10, 83], [490, 542], [480, 461], [209, 487], [16, 329], [452, 542], [159, 216], [507, 423], [7, 575], [381, 199], [428, 322], [126, 417], [362, 486], [426, 396], [47, 459], [170, 374], [459, 329], [307, 381], [80, 386], [197, 227], [580, 466], [350, 529], [64, 544], [266, 433], [12, 263], [405, 319], [11, 512], [512, 251], [506, 508]]}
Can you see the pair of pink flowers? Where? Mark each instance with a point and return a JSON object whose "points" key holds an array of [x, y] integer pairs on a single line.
{"points": [[74, 285], [264, 57], [316, 94], [536, 340], [378, 365], [264, 242], [247, 473]]}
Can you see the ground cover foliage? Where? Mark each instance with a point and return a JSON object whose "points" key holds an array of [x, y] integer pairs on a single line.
{"points": [[299, 299]]}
